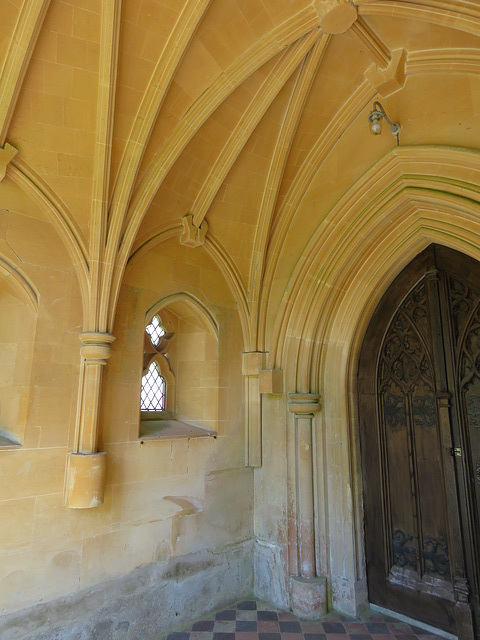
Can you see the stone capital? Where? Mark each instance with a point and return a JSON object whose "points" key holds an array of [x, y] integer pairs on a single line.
{"points": [[304, 404], [253, 362], [96, 347]]}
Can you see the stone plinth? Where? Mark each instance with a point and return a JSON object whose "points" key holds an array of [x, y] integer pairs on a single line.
{"points": [[308, 597]]}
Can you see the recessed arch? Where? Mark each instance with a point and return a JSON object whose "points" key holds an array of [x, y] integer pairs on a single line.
{"points": [[435, 185], [347, 268], [182, 301]]}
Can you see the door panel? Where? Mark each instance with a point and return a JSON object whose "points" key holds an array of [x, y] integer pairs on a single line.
{"points": [[419, 399]]}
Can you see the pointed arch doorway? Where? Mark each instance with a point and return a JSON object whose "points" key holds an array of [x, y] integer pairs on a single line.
{"points": [[419, 415]]}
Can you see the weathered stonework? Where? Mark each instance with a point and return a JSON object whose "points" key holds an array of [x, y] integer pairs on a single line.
{"points": [[146, 603]]}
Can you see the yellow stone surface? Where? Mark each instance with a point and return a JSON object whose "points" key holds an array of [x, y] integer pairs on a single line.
{"points": [[138, 128]]}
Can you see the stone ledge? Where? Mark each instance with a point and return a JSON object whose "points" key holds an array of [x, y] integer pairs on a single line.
{"points": [[170, 428]]}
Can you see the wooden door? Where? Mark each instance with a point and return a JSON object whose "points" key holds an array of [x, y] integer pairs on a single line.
{"points": [[419, 408]]}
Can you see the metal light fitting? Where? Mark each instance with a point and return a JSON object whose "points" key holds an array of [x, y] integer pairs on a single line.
{"points": [[375, 119]]}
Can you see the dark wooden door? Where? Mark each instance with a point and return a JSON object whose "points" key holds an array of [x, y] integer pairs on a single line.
{"points": [[419, 409]]}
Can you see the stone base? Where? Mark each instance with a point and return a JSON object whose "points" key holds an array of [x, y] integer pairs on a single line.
{"points": [[269, 574], [308, 597], [349, 596]]}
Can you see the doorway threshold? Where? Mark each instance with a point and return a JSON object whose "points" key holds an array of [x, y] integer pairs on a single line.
{"points": [[416, 623]]}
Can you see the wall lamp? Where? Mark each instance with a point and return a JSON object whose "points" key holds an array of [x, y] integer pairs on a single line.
{"points": [[375, 119]]}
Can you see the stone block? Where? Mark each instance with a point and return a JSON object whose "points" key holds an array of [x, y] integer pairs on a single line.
{"points": [[271, 381], [308, 597], [85, 482]]}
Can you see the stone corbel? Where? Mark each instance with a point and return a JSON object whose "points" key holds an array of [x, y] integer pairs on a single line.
{"points": [[391, 79], [7, 153], [308, 592], [192, 235], [85, 481], [252, 364]]}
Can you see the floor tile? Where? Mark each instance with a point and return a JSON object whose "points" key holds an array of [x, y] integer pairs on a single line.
{"points": [[224, 626], [245, 614], [223, 636], [401, 628], [226, 614], [286, 615], [201, 635], [290, 626], [203, 625], [333, 627], [268, 626], [267, 615], [246, 635], [246, 625], [310, 626], [355, 627], [376, 627], [258, 620]]}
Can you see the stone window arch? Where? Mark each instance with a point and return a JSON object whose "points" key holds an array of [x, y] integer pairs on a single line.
{"points": [[184, 351]]}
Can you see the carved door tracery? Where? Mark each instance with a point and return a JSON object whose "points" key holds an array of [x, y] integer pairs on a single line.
{"points": [[419, 402]]}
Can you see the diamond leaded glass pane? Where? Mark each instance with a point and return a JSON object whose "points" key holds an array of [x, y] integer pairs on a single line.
{"points": [[153, 390], [155, 330]]}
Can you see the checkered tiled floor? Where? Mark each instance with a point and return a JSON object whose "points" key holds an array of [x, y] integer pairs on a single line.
{"points": [[255, 620]]}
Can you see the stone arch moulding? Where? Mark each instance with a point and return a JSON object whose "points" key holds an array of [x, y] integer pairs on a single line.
{"points": [[18, 317], [59, 217], [20, 283], [190, 299], [409, 199]]}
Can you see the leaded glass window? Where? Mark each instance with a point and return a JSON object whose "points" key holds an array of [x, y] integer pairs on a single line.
{"points": [[155, 330], [153, 389]]}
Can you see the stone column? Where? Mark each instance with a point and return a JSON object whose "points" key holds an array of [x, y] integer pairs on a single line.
{"points": [[252, 364], [307, 590], [86, 466]]}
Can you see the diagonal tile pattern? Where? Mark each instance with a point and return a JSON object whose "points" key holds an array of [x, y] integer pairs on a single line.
{"points": [[256, 620]]}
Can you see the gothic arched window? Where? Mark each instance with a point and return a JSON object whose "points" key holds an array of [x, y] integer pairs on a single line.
{"points": [[153, 396], [154, 389]]}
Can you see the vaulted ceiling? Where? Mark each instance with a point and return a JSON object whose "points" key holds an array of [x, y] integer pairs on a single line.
{"points": [[249, 116]]}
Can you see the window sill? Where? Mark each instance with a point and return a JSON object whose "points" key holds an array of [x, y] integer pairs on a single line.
{"points": [[170, 428], [8, 443]]}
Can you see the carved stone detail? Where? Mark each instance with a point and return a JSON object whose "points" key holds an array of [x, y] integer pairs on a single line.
{"points": [[7, 153], [336, 16], [192, 235], [304, 403], [391, 79]]}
